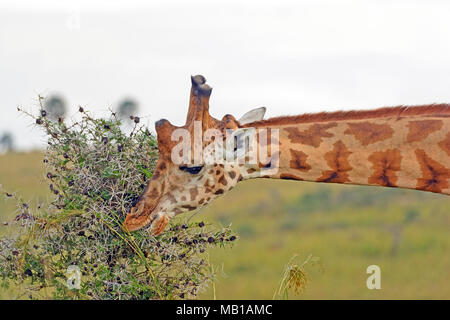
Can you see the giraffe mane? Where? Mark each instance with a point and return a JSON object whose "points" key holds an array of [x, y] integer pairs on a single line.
{"points": [[442, 110]]}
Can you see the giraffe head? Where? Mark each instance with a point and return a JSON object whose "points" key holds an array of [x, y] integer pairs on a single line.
{"points": [[187, 175]]}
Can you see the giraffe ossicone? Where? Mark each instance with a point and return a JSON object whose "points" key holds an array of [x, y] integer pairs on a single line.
{"points": [[404, 147]]}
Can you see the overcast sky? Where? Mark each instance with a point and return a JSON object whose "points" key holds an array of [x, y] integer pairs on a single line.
{"points": [[290, 56]]}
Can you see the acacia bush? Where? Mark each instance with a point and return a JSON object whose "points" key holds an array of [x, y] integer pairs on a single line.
{"points": [[96, 172]]}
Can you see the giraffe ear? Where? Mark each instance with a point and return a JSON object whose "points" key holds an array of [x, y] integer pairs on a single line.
{"points": [[253, 115]]}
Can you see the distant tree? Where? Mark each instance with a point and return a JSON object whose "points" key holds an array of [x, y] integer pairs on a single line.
{"points": [[55, 106], [7, 142], [127, 107]]}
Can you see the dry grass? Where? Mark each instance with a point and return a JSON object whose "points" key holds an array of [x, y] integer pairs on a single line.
{"points": [[295, 277]]}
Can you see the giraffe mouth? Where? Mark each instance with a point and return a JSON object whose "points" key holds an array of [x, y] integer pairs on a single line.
{"points": [[157, 222], [141, 215]]}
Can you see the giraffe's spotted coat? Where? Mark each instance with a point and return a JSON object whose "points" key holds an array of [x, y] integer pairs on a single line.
{"points": [[385, 166], [298, 160], [420, 129], [434, 175], [222, 180], [368, 132], [337, 160], [313, 136]]}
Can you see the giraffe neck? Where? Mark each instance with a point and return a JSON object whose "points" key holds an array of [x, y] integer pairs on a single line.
{"points": [[400, 147]]}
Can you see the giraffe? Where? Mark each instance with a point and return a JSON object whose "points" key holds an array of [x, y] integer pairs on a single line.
{"points": [[399, 147]]}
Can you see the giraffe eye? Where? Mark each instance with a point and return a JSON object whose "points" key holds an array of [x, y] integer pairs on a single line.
{"points": [[191, 170]]}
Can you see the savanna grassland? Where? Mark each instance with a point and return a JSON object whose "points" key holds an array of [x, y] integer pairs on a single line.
{"points": [[405, 232]]}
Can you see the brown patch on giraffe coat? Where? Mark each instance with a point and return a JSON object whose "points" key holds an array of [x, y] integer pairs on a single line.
{"points": [[311, 136], [385, 164], [193, 192], [337, 160], [368, 133], [251, 170], [298, 161], [223, 180], [445, 144], [189, 207], [232, 174], [287, 176], [220, 191], [434, 175], [420, 129]]}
